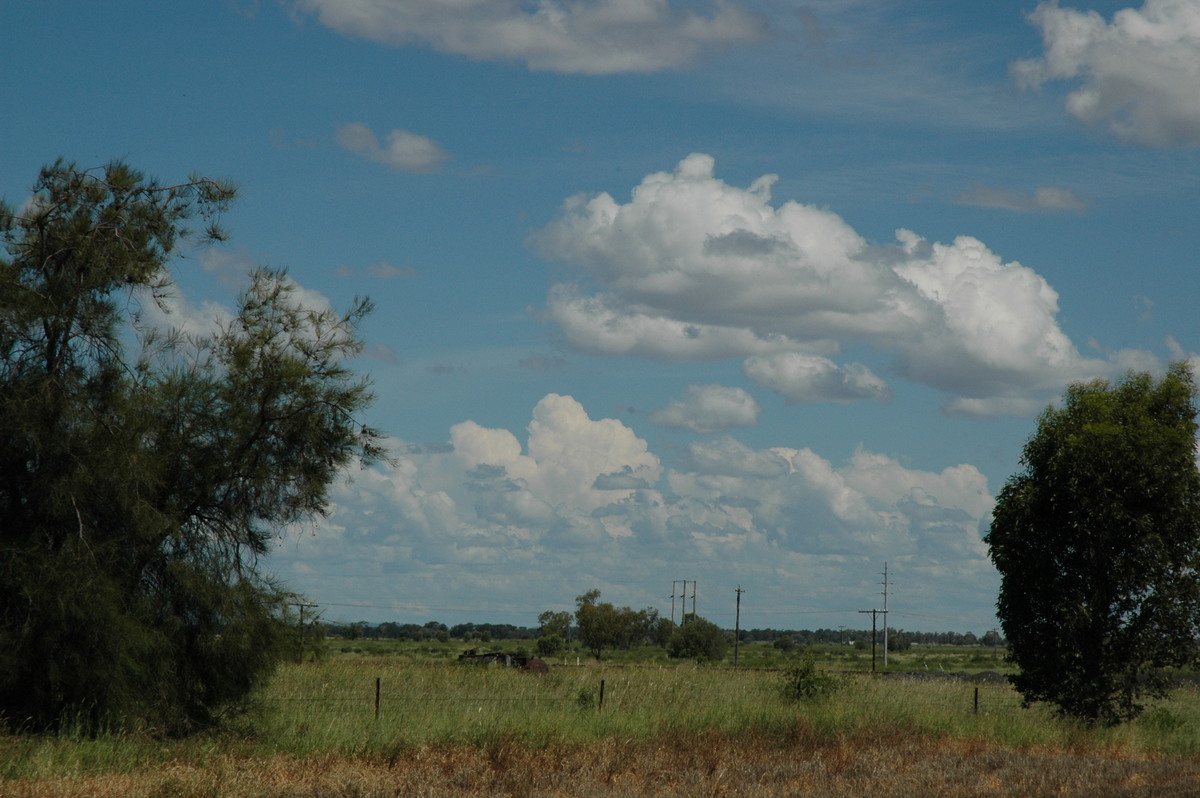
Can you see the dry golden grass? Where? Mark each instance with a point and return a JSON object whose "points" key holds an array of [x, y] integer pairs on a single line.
{"points": [[808, 764]]}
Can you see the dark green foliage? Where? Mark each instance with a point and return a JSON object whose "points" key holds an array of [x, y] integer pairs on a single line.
{"points": [[554, 630], [138, 492], [698, 639], [1098, 544], [602, 626], [550, 645]]}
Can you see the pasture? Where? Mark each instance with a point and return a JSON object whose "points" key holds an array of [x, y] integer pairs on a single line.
{"points": [[384, 718]]}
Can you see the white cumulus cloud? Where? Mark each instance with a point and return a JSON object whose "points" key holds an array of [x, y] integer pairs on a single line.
{"points": [[709, 408], [1139, 73], [580, 36], [401, 150], [692, 267], [580, 502]]}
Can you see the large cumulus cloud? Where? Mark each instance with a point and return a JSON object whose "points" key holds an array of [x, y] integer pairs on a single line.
{"points": [[694, 268], [583, 502], [1138, 73]]}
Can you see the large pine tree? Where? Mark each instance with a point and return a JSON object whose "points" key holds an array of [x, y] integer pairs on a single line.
{"points": [[142, 473]]}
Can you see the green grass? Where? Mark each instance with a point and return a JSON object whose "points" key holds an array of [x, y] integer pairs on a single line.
{"points": [[330, 706], [325, 710]]}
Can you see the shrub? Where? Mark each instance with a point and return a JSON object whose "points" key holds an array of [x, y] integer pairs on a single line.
{"points": [[803, 681]]}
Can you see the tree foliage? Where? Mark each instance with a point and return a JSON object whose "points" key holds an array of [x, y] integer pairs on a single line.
{"points": [[602, 626], [142, 474], [698, 639], [1097, 541]]}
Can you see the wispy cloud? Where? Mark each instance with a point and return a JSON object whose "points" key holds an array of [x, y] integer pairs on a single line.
{"points": [[1044, 199], [586, 36]]}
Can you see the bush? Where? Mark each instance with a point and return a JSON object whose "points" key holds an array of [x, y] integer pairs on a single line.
{"points": [[698, 639], [803, 681], [549, 645]]}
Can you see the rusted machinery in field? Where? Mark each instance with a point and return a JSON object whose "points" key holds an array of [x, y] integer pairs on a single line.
{"points": [[531, 664]]}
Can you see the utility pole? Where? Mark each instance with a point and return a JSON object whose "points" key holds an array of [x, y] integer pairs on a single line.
{"points": [[874, 614], [301, 605], [682, 599], [737, 625], [885, 625]]}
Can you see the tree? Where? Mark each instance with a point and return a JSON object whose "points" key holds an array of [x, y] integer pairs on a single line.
{"points": [[138, 491], [698, 639], [1097, 542], [602, 626], [554, 623], [554, 629]]}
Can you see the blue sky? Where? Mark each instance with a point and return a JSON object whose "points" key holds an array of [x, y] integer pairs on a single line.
{"points": [[752, 293]]}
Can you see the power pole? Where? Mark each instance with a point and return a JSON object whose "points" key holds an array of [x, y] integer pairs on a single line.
{"points": [[885, 625], [301, 606], [737, 625], [874, 614], [673, 583], [682, 599]]}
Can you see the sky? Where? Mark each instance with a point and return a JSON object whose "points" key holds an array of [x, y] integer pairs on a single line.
{"points": [[749, 293]]}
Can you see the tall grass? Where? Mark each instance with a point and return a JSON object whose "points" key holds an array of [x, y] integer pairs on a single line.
{"points": [[456, 720], [330, 706]]}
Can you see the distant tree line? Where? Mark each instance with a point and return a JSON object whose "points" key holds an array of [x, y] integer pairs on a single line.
{"points": [[627, 628], [898, 639], [432, 630]]}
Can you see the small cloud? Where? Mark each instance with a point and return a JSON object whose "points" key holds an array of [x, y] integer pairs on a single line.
{"points": [[283, 140], [403, 150], [1044, 199], [709, 408], [972, 407], [381, 352], [1145, 306], [440, 369], [801, 377], [386, 271]]}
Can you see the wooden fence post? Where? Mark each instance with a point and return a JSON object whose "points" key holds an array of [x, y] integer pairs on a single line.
{"points": [[376, 698], [601, 694], [976, 700]]}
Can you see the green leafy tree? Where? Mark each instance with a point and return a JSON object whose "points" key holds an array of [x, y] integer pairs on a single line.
{"points": [[698, 639], [602, 626], [1097, 542], [554, 629], [554, 623], [142, 474]]}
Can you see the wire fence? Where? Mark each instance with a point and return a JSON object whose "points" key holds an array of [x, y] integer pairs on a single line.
{"points": [[957, 693]]}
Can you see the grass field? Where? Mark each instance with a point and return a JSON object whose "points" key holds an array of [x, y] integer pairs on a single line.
{"points": [[445, 728]]}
